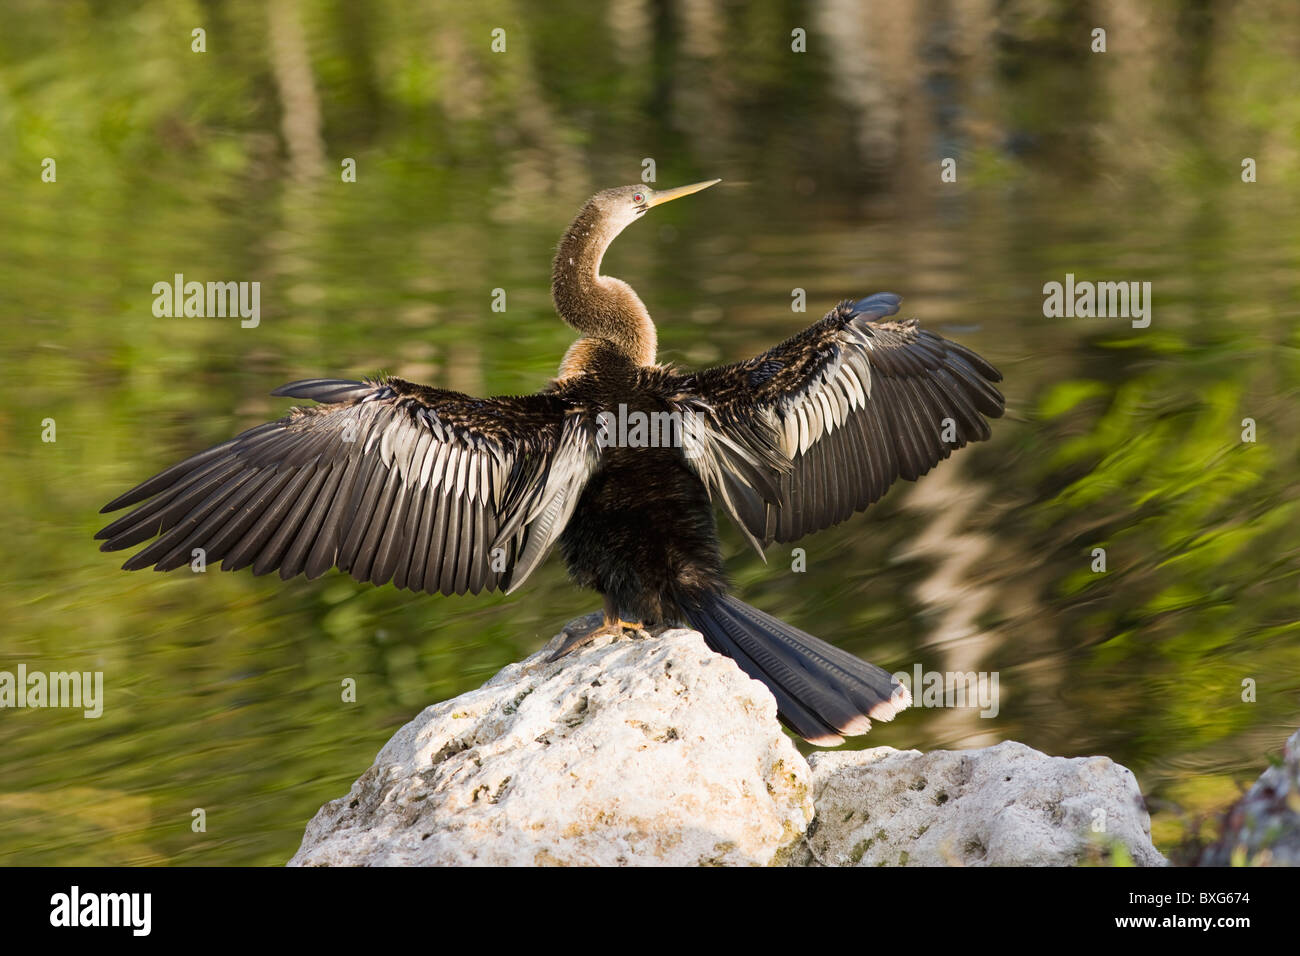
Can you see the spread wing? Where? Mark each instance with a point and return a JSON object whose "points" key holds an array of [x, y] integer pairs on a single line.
{"points": [[833, 416], [433, 490]]}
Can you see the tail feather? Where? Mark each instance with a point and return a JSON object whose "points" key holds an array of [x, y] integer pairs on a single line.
{"points": [[822, 693]]}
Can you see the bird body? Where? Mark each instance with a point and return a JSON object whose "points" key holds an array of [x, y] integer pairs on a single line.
{"points": [[437, 491], [643, 533]]}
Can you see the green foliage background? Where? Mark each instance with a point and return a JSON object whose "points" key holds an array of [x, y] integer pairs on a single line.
{"points": [[223, 690]]}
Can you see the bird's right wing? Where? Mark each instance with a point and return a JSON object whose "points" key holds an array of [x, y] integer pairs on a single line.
{"points": [[799, 438], [433, 490]]}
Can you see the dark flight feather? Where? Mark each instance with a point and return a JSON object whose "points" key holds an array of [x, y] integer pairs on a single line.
{"points": [[387, 480], [851, 403]]}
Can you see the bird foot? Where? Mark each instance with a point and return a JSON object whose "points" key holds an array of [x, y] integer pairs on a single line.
{"points": [[574, 639]]}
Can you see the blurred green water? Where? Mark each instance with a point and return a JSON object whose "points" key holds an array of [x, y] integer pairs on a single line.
{"points": [[223, 691]]}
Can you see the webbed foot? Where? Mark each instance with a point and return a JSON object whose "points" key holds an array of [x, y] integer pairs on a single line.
{"points": [[612, 626]]}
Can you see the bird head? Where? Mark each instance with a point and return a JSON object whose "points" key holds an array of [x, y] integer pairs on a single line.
{"points": [[623, 205]]}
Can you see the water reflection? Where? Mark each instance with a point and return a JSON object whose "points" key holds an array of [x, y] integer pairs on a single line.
{"points": [[224, 690]]}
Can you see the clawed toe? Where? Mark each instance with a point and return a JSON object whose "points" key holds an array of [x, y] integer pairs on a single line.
{"points": [[576, 639]]}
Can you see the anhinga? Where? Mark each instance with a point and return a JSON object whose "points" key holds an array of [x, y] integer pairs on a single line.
{"points": [[438, 491]]}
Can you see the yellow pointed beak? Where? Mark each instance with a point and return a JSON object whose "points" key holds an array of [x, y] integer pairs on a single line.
{"points": [[658, 197]]}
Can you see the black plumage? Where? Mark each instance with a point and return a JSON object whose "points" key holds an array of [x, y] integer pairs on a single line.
{"points": [[437, 491]]}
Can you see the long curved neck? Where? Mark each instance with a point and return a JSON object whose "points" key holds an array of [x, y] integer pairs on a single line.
{"points": [[600, 307]]}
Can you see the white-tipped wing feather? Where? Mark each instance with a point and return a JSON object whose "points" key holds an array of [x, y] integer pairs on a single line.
{"points": [[389, 481], [828, 420]]}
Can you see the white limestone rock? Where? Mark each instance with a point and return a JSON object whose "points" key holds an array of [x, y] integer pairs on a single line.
{"points": [[1007, 805], [636, 751], [658, 751]]}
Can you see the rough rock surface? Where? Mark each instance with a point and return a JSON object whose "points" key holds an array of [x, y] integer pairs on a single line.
{"points": [[1263, 827], [658, 751], [1007, 805], [639, 751]]}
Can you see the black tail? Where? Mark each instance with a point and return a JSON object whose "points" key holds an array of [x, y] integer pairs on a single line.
{"points": [[822, 693]]}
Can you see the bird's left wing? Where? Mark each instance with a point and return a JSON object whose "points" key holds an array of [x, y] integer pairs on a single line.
{"points": [[390, 481], [801, 437]]}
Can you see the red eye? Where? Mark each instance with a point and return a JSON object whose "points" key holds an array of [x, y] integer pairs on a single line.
{"points": [[638, 198]]}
